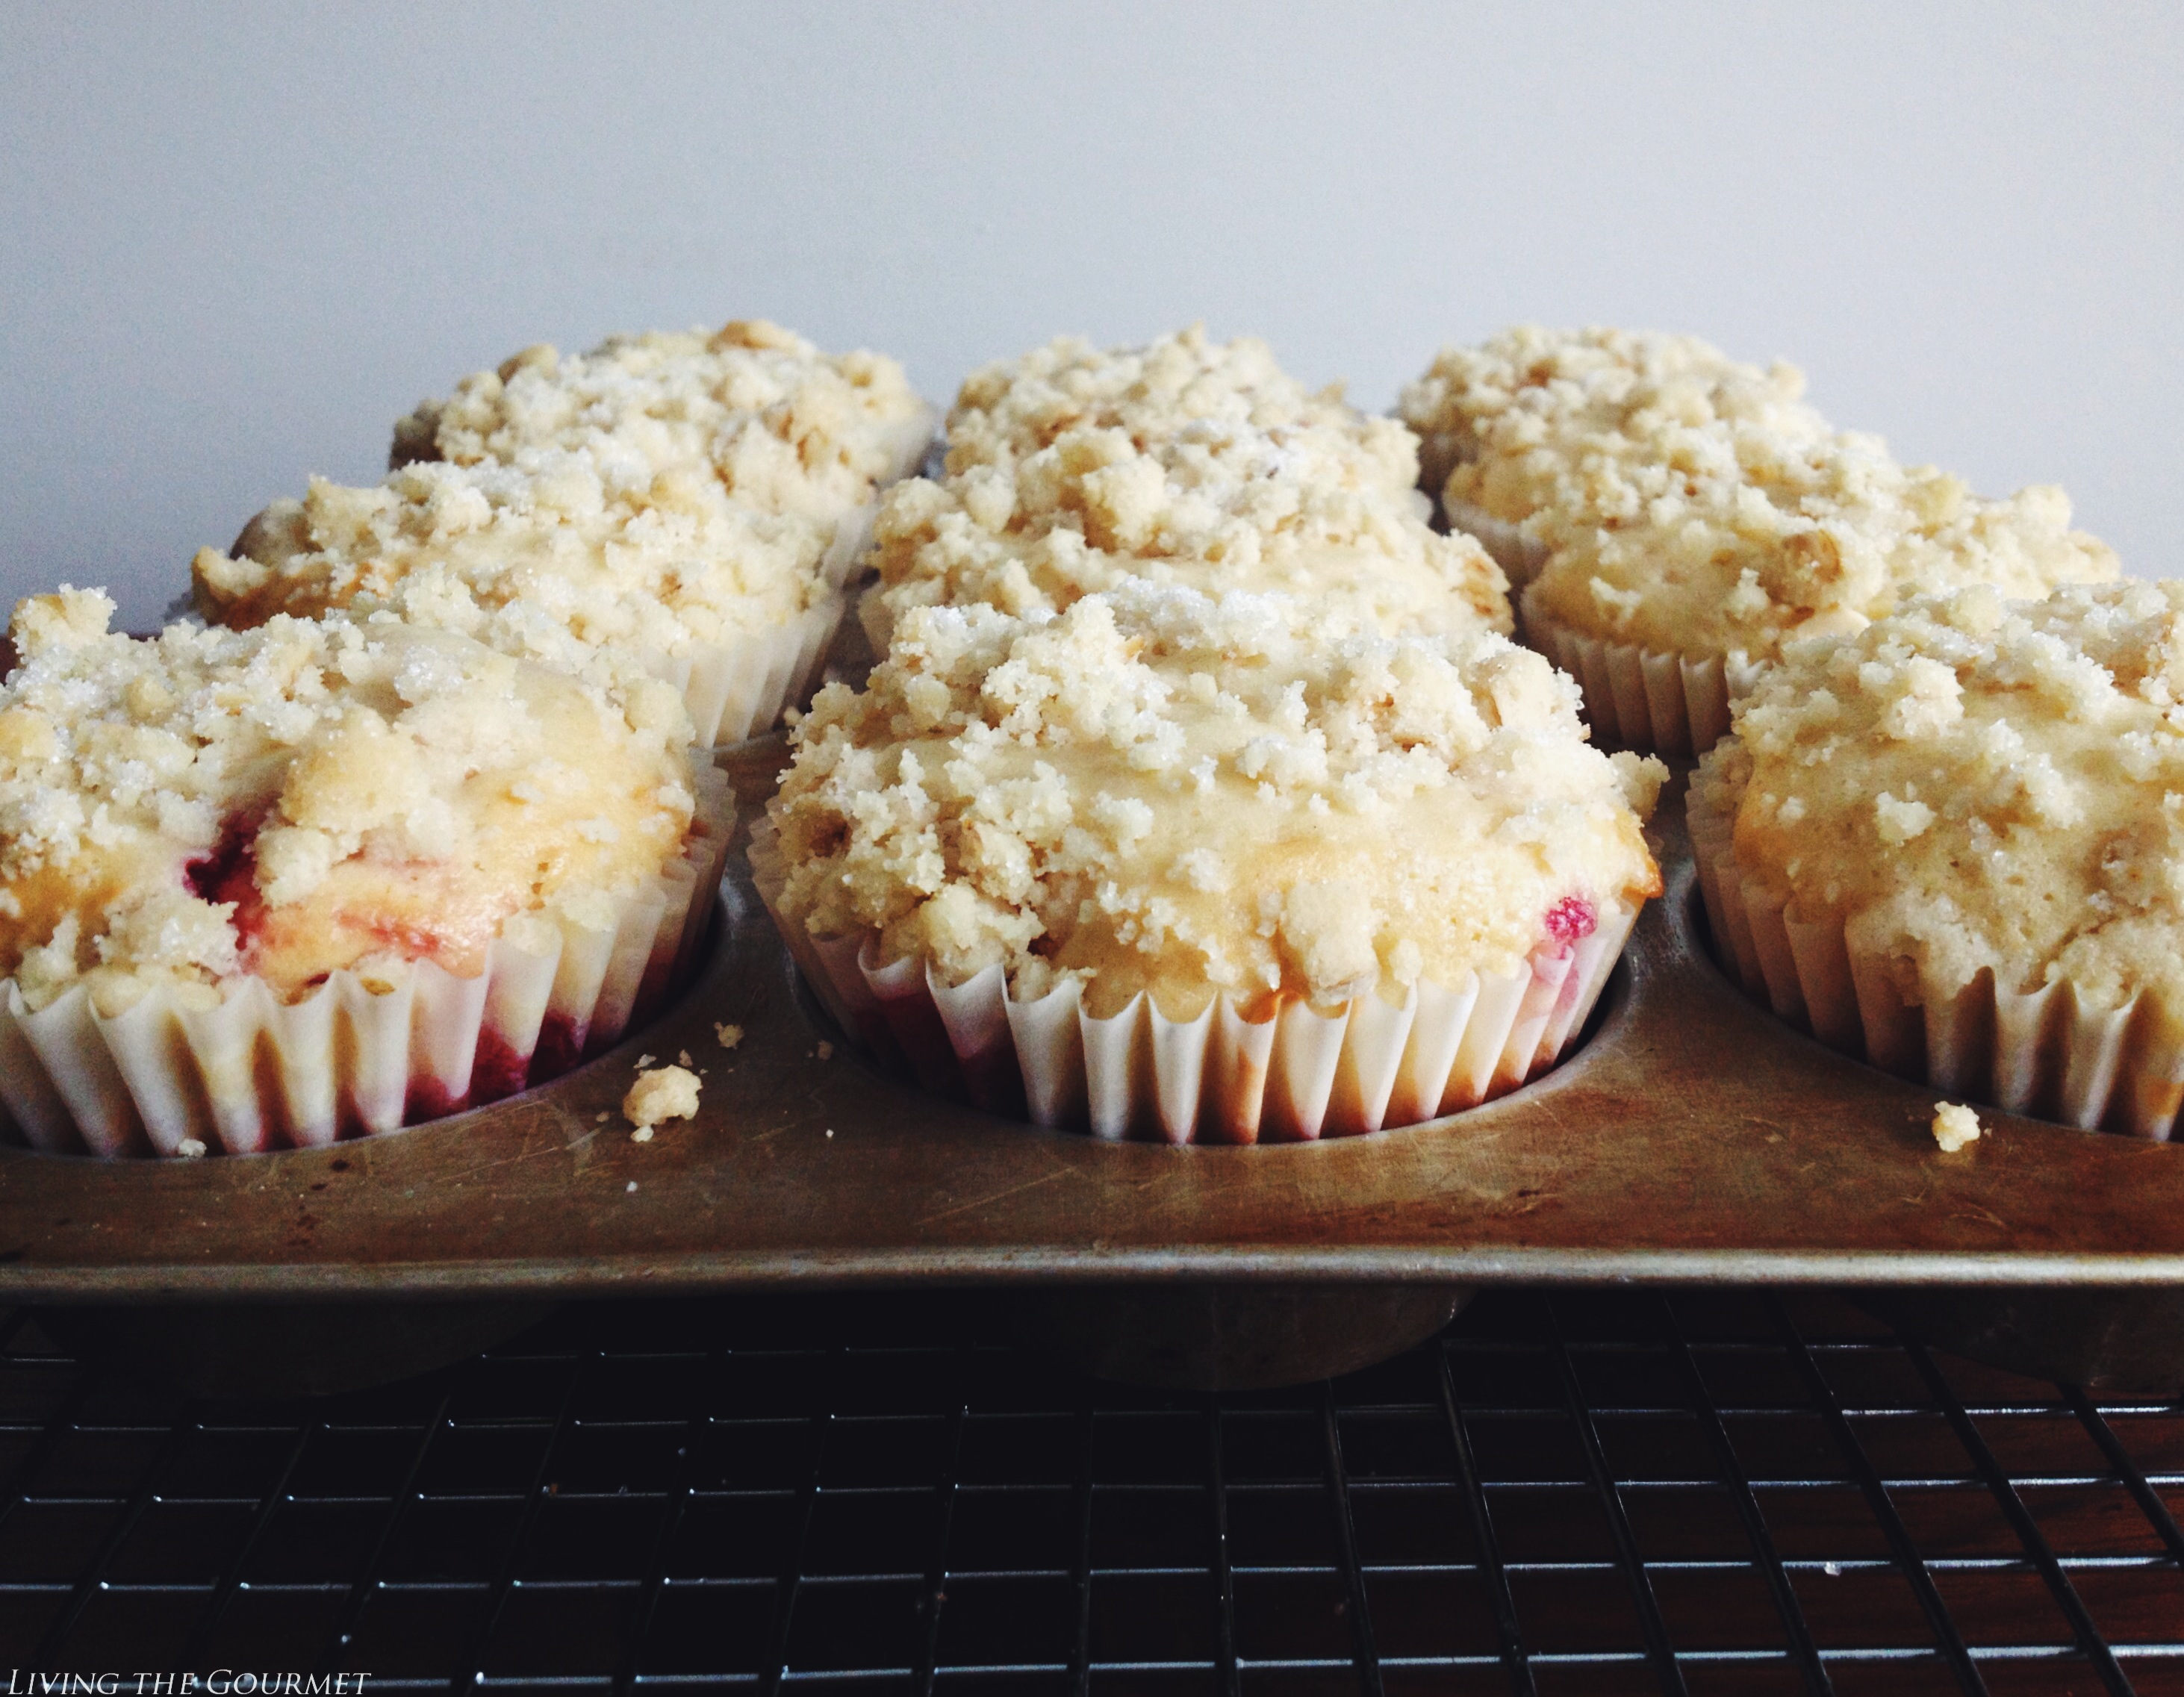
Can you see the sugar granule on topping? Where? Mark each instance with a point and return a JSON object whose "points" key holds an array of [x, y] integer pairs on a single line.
{"points": [[665, 1092], [729, 1035], [1955, 1126]]}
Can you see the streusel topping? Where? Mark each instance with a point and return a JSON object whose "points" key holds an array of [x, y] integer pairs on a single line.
{"points": [[1552, 431], [306, 797], [1976, 784], [545, 557], [786, 428], [1736, 556], [1156, 791]]}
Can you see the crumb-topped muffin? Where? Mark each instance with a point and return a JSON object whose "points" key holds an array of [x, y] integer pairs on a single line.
{"points": [[553, 558], [1536, 434], [219, 849], [1950, 842], [1012, 409], [1186, 462], [1157, 805], [785, 428]]}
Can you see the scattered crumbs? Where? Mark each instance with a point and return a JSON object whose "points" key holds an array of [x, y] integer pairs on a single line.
{"points": [[645, 1060], [830, 1131], [1832, 1569], [642, 1134], [631, 1186], [730, 1036], [190, 1149], [665, 1092], [682, 1058], [601, 1117], [1955, 1126], [826, 1051]]}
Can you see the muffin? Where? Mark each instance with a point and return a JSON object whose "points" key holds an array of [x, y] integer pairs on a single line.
{"points": [[556, 558], [1186, 463], [1516, 435], [787, 429], [1012, 409], [1948, 843], [1666, 614], [1171, 867], [323, 878]]}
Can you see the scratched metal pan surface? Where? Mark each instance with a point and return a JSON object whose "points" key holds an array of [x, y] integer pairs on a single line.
{"points": [[1693, 1138]]}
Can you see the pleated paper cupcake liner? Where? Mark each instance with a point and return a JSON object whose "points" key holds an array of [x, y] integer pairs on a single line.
{"points": [[1519, 556], [1643, 698], [737, 690], [1234, 1075], [2056, 1053], [355, 1059]]}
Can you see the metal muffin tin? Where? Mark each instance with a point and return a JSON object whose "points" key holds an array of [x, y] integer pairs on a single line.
{"points": [[1693, 1138]]}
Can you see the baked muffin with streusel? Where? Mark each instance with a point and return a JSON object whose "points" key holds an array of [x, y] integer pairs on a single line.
{"points": [[558, 558], [1949, 842], [785, 428], [1177, 867], [1071, 471], [323, 877], [1668, 614], [1537, 435]]}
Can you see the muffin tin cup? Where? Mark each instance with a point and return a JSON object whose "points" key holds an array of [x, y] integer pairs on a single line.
{"points": [[1519, 556], [355, 1057], [1667, 703], [737, 690], [1235, 1074], [2058, 1053]]}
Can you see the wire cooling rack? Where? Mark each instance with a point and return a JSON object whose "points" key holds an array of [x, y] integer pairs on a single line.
{"points": [[1701, 1492]]}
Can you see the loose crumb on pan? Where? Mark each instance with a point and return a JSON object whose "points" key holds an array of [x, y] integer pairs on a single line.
{"points": [[1955, 1126], [664, 1092], [826, 1051], [729, 1035], [190, 1149]]}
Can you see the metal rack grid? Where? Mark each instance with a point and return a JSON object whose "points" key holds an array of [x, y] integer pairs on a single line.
{"points": [[1704, 1492]]}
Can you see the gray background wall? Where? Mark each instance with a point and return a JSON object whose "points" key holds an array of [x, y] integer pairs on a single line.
{"points": [[235, 243]]}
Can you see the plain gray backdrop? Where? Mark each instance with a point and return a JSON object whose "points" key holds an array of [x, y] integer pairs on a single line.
{"points": [[237, 241]]}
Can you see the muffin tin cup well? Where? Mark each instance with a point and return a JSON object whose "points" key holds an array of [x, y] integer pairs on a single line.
{"points": [[1692, 1139]]}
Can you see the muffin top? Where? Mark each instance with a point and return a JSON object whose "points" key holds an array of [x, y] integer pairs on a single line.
{"points": [[785, 428], [1159, 792], [544, 558], [1012, 409], [306, 797], [1774, 540], [1220, 505], [1973, 783], [1552, 431]]}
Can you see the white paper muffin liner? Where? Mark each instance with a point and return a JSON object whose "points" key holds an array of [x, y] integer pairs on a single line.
{"points": [[1519, 556], [2056, 1053], [1643, 698], [1304, 1073], [737, 690], [255, 1074]]}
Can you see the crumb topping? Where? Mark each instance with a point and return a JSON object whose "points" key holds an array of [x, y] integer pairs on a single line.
{"points": [[1185, 462], [784, 428], [306, 797], [1955, 1126], [549, 557], [1973, 784], [1552, 431], [1157, 791], [1780, 539], [660, 1095]]}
